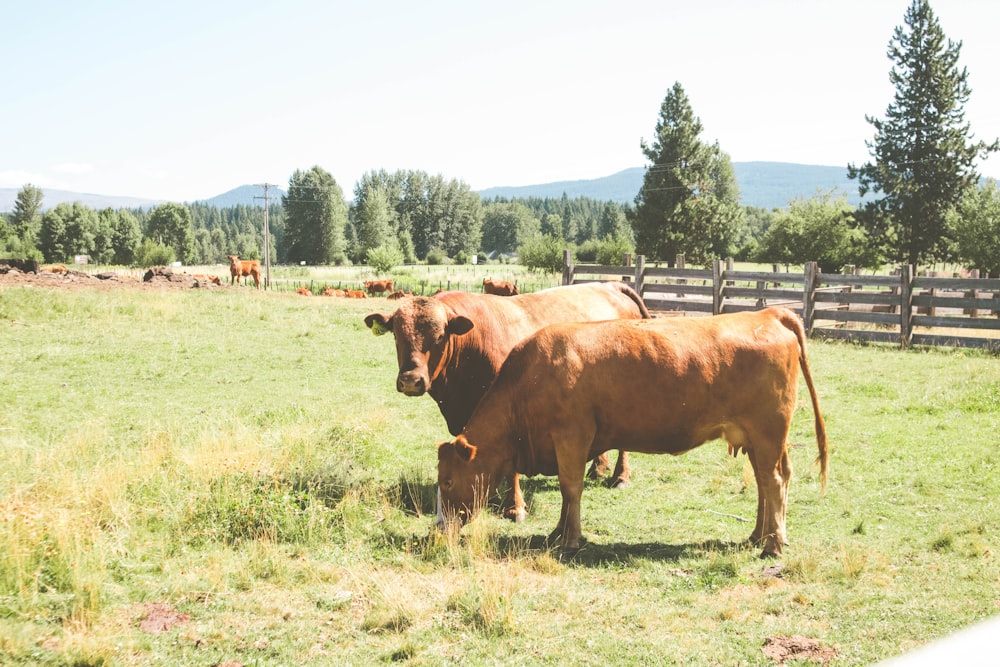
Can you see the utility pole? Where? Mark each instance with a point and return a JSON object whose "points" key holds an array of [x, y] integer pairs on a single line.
{"points": [[267, 234]]}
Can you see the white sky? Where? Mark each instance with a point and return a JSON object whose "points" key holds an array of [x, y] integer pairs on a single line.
{"points": [[185, 100]]}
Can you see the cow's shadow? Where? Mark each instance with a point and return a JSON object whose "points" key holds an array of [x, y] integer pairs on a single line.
{"points": [[592, 554]]}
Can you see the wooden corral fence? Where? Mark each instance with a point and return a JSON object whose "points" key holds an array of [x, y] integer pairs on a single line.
{"points": [[904, 309]]}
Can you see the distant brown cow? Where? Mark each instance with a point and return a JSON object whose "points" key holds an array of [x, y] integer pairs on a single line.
{"points": [[451, 346], [374, 287], [499, 287], [239, 268], [304, 291], [399, 294], [215, 280], [356, 294], [574, 390]]}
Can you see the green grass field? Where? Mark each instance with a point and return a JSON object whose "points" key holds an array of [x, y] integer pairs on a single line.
{"points": [[202, 476]]}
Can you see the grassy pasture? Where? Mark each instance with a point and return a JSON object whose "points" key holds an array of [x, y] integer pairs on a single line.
{"points": [[200, 476]]}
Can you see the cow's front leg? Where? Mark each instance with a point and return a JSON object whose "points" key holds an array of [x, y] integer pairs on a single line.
{"points": [[514, 507]]}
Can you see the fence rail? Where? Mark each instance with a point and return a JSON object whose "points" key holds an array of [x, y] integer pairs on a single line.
{"points": [[903, 309]]}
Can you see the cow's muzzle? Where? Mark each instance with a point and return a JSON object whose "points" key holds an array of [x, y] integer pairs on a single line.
{"points": [[411, 383]]}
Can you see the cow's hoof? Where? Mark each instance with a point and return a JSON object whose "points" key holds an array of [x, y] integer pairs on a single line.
{"points": [[769, 555], [618, 483], [517, 516]]}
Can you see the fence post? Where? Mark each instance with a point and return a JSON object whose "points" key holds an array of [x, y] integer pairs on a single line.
{"points": [[679, 263], [640, 269], [809, 295], [906, 305], [717, 287], [567, 277]]}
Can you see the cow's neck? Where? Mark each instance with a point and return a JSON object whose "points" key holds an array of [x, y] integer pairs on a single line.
{"points": [[458, 386]]}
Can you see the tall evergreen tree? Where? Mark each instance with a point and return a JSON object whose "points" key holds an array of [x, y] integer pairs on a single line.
{"points": [[52, 232], [125, 237], [689, 200], [27, 213], [315, 216], [373, 221], [923, 150]]}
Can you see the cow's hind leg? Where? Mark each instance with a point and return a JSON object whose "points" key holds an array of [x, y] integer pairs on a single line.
{"points": [[571, 473], [599, 467], [772, 470], [602, 464], [514, 506], [623, 473]]}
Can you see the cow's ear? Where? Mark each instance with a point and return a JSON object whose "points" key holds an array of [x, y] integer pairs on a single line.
{"points": [[459, 325], [378, 323], [464, 449]]}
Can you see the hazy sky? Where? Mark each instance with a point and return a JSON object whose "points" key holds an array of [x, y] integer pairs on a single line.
{"points": [[186, 100]]}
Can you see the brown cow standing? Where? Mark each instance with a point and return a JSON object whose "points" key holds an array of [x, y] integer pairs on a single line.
{"points": [[453, 344], [239, 268], [499, 287], [664, 386], [374, 287]]}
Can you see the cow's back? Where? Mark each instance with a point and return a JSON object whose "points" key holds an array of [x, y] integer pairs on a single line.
{"points": [[503, 322], [634, 382]]}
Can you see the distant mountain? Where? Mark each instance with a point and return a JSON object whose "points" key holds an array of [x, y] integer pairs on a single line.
{"points": [[51, 198], [247, 195], [763, 184]]}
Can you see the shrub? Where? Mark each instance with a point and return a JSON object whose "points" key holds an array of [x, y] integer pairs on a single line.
{"points": [[611, 250], [542, 253], [436, 256], [151, 253], [383, 258]]}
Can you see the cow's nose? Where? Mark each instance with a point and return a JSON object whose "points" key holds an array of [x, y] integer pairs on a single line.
{"points": [[411, 384]]}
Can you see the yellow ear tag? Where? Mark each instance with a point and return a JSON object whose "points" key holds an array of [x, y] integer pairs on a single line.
{"points": [[379, 329]]}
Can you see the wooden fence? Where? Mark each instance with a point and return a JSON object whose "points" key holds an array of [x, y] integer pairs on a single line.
{"points": [[904, 309]]}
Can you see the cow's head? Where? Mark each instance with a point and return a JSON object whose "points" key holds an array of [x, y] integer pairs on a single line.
{"points": [[464, 482], [423, 329]]}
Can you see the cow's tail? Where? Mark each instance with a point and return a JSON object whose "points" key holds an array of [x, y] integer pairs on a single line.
{"points": [[792, 322], [632, 294]]}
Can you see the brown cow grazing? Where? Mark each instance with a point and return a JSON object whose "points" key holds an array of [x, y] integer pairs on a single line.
{"points": [[239, 268], [572, 390], [374, 287], [452, 345], [499, 287]]}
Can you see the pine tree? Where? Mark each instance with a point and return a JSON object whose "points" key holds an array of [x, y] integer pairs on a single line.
{"points": [[315, 216], [27, 213], [689, 200], [923, 150]]}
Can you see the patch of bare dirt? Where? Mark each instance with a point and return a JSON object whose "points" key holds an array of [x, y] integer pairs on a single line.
{"points": [[62, 278], [160, 617], [781, 648]]}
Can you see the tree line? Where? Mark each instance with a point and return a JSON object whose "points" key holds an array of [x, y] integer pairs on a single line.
{"points": [[925, 202]]}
